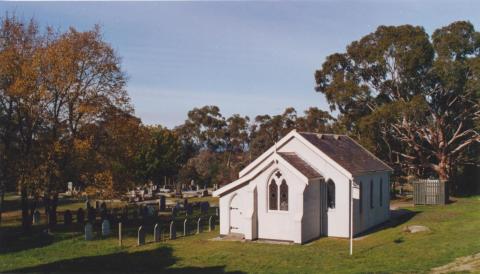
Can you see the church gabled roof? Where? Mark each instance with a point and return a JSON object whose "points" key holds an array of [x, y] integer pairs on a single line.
{"points": [[346, 152], [300, 165]]}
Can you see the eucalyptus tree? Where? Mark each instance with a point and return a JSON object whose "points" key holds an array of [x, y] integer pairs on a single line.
{"points": [[414, 98]]}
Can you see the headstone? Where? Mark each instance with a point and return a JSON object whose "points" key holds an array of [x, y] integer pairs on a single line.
{"points": [[151, 211], [124, 218], [80, 216], [120, 234], [67, 217], [156, 233], [91, 215], [145, 212], [198, 187], [185, 228], [173, 231], [88, 232], [204, 207], [217, 211], [105, 228], [52, 218], [161, 203], [141, 236], [70, 188], [199, 225], [211, 223], [103, 214], [36, 217], [189, 210]]}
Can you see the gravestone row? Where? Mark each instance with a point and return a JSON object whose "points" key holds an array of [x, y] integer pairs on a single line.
{"points": [[141, 234]]}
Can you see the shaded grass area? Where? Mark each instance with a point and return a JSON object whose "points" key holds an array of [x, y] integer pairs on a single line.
{"points": [[454, 233]]}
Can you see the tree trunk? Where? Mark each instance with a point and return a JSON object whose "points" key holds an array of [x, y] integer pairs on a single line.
{"points": [[53, 211], [443, 169], [46, 203], [2, 199], [26, 221]]}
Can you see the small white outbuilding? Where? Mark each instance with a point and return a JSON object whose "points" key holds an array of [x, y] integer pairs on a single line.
{"points": [[299, 190]]}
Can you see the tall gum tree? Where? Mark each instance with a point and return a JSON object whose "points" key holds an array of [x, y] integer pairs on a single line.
{"points": [[413, 96]]}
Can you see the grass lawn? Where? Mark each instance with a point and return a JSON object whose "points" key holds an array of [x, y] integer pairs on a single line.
{"points": [[455, 232]]}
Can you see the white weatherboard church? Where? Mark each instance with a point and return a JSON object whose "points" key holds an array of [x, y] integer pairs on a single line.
{"points": [[299, 190]]}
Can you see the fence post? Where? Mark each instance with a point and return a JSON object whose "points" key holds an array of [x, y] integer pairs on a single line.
{"points": [[120, 234]]}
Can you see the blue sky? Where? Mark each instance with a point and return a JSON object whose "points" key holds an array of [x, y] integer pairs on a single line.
{"points": [[249, 58]]}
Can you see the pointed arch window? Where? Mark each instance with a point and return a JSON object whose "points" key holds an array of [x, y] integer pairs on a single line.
{"points": [[277, 192], [284, 196], [273, 195], [331, 194]]}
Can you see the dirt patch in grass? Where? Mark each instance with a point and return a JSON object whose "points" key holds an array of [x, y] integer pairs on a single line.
{"points": [[463, 264]]}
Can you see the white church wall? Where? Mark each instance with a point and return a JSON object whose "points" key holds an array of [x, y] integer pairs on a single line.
{"points": [[338, 218], [369, 216], [311, 212], [277, 224]]}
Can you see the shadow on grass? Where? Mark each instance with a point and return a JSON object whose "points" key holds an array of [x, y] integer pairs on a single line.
{"points": [[13, 240], [397, 217], [152, 261]]}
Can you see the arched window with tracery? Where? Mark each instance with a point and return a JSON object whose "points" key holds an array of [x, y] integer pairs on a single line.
{"points": [[331, 194], [284, 196], [273, 195]]}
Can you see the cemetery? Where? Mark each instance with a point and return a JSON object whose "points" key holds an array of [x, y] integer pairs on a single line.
{"points": [[186, 137], [127, 238]]}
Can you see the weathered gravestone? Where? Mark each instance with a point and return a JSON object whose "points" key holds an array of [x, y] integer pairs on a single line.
{"points": [[103, 214], [189, 210], [120, 235], [173, 231], [36, 217], [80, 216], [151, 211], [199, 225], [161, 203], [103, 206], [217, 211], [91, 215], [211, 223], [157, 233], [204, 207], [135, 214], [88, 232], [105, 228], [145, 212], [67, 217], [185, 228], [52, 218], [124, 217], [141, 236]]}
